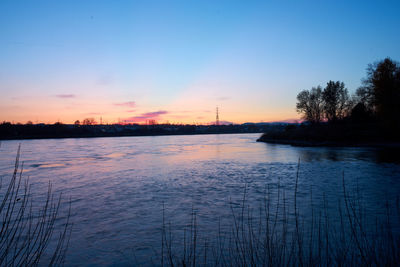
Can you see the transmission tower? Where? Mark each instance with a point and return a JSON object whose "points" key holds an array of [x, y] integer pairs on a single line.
{"points": [[217, 118]]}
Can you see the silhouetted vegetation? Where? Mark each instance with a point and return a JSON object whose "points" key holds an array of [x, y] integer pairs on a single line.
{"points": [[279, 234], [310, 104], [380, 92], [26, 229], [337, 104], [87, 129], [89, 121], [333, 117], [331, 103]]}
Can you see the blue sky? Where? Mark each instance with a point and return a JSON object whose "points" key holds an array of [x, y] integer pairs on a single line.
{"points": [[179, 60]]}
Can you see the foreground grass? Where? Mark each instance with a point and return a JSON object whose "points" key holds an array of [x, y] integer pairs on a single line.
{"points": [[26, 229], [277, 234]]}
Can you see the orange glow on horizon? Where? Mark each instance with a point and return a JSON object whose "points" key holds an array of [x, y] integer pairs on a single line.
{"points": [[192, 106]]}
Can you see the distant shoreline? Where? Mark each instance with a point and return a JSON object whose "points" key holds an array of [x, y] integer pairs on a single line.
{"points": [[10, 131], [101, 136]]}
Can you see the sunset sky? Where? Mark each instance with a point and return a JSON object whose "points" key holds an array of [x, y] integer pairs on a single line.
{"points": [[176, 61]]}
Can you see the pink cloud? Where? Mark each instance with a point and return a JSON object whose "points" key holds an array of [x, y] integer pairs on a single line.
{"points": [[130, 104], [147, 116], [66, 96], [131, 110], [155, 114]]}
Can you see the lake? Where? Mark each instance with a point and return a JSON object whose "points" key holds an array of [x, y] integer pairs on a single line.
{"points": [[118, 186]]}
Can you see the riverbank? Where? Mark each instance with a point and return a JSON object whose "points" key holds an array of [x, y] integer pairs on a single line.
{"points": [[330, 144], [10, 131], [333, 135]]}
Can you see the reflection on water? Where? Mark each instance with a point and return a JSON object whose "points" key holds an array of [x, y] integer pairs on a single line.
{"points": [[48, 165], [118, 185], [379, 155], [391, 155]]}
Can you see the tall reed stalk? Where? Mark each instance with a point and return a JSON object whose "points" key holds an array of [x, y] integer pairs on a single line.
{"points": [[26, 230], [280, 235]]}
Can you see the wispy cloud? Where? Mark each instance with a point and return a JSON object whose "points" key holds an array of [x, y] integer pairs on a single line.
{"points": [[131, 110], [65, 96], [223, 98], [130, 104], [155, 114], [147, 116]]}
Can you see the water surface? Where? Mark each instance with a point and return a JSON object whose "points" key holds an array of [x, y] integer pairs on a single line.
{"points": [[118, 185]]}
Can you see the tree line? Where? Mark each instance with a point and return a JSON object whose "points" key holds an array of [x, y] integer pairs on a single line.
{"points": [[377, 99]]}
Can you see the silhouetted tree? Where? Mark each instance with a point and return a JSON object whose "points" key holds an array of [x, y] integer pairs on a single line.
{"points": [[152, 122], [310, 104], [89, 121], [77, 122], [360, 113], [365, 96], [381, 90], [336, 100]]}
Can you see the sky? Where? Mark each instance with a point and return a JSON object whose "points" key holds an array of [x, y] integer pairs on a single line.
{"points": [[176, 61]]}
